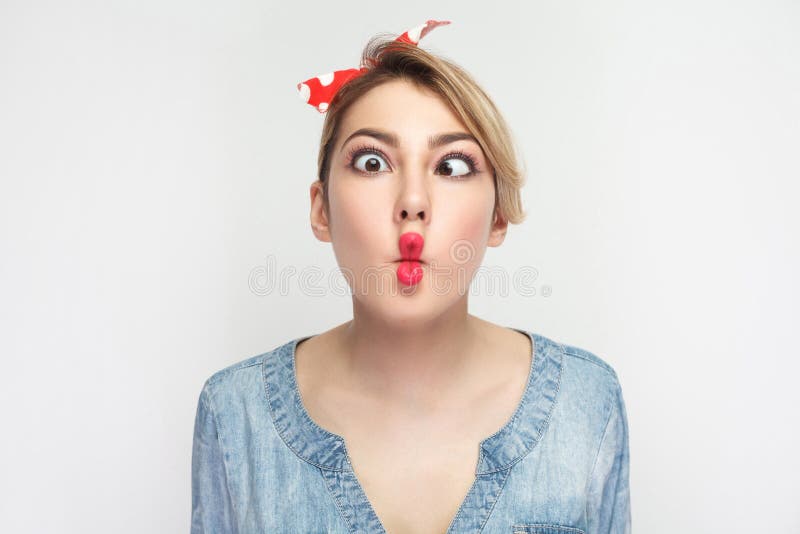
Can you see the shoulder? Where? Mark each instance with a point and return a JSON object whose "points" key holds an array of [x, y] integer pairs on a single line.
{"points": [[590, 364], [586, 380], [242, 376], [226, 374]]}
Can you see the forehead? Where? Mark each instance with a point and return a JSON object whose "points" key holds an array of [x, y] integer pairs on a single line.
{"points": [[401, 107]]}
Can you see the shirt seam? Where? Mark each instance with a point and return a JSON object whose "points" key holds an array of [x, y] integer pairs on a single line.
{"points": [[339, 506], [280, 432], [499, 494], [517, 413], [601, 364], [221, 374], [602, 441], [546, 425], [210, 407]]}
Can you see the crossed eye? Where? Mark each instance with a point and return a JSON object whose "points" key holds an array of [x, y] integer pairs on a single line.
{"points": [[449, 170], [371, 162]]}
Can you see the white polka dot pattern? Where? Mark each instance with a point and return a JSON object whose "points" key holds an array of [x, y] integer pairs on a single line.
{"points": [[305, 92], [320, 90]]}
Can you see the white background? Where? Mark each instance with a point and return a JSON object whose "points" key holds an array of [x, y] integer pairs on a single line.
{"points": [[153, 154]]}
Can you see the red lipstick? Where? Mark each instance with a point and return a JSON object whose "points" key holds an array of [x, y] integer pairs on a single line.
{"points": [[409, 272]]}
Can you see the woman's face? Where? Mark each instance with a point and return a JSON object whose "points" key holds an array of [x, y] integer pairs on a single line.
{"points": [[403, 162]]}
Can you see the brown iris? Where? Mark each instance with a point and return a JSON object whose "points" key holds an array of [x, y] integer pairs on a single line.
{"points": [[445, 168], [373, 165]]}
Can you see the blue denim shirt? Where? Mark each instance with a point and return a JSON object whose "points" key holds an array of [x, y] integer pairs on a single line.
{"points": [[558, 466]]}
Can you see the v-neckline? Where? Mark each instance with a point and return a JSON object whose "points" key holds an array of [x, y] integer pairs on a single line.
{"points": [[496, 454]]}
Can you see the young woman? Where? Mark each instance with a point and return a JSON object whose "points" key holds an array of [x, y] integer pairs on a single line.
{"points": [[414, 416]]}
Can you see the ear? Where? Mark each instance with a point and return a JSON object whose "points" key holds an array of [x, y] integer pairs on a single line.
{"points": [[319, 219], [497, 232]]}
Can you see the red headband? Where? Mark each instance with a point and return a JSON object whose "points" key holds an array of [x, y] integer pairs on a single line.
{"points": [[320, 90]]}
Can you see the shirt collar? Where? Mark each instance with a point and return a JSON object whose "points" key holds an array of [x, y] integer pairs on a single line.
{"points": [[499, 451]]}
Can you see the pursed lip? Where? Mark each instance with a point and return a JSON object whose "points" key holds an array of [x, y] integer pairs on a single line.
{"points": [[419, 260]]}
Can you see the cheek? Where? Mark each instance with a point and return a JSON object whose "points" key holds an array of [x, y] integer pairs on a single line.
{"points": [[469, 214], [468, 251], [354, 231], [350, 208]]}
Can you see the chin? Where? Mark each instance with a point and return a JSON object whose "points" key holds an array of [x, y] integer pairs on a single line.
{"points": [[410, 307], [410, 317]]}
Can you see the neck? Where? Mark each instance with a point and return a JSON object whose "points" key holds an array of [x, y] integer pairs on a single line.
{"points": [[413, 364]]}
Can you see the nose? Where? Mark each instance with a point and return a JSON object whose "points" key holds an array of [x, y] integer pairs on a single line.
{"points": [[410, 216], [413, 203]]}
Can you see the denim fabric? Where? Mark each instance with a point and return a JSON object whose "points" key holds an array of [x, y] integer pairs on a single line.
{"points": [[558, 466]]}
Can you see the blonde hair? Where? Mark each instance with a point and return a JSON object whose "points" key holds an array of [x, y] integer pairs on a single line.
{"points": [[388, 60]]}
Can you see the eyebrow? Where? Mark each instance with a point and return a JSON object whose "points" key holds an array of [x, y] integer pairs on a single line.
{"points": [[390, 139]]}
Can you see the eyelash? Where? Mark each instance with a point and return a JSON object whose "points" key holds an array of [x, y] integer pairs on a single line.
{"points": [[357, 151]]}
